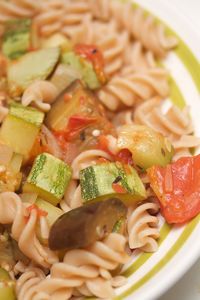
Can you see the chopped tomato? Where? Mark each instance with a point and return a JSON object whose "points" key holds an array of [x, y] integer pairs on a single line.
{"points": [[118, 188], [93, 54], [177, 187], [124, 156], [77, 123]]}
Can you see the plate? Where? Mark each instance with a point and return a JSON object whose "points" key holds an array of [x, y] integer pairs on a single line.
{"points": [[150, 275]]}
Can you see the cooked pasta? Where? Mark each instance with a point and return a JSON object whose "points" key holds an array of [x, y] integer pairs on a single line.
{"points": [[41, 93], [126, 90], [137, 59], [138, 25], [17, 9], [13, 211], [87, 158], [72, 198], [78, 267], [143, 227], [87, 143], [175, 124]]}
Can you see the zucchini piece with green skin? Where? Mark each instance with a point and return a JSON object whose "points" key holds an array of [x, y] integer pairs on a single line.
{"points": [[53, 212], [147, 146], [16, 38], [20, 128], [6, 286], [84, 67], [36, 65], [111, 179], [48, 178]]}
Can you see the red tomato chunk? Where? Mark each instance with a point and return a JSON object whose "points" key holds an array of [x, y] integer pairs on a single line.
{"points": [[177, 187]]}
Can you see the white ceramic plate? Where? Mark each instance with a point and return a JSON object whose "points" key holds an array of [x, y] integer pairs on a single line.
{"points": [[150, 275]]}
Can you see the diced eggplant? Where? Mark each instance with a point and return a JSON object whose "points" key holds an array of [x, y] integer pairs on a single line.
{"points": [[83, 226]]}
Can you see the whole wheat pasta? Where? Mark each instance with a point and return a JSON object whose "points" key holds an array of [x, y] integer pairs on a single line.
{"points": [[126, 90], [41, 93], [17, 9], [143, 227], [175, 124], [72, 198], [86, 159], [14, 212], [81, 267], [139, 26]]}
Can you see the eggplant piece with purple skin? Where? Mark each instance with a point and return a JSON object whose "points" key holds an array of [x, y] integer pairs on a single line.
{"points": [[83, 226]]}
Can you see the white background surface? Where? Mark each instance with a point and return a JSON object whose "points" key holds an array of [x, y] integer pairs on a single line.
{"points": [[188, 288]]}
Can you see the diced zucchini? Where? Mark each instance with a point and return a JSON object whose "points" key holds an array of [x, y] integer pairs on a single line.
{"points": [[6, 286], [57, 40], [147, 146], [16, 39], [10, 176], [48, 178], [53, 212], [64, 76], [36, 65], [89, 75], [20, 128], [111, 179], [79, 101], [6, 253], [84, 67]]}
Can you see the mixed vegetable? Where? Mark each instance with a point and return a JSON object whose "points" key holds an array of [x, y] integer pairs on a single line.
{"points": [[37, 150]]}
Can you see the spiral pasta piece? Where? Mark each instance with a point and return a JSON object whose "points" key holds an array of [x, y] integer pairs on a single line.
{"points": [[23, 230], [41, 93], [72, 198], [139, 26], [17, 9], [175, 124], [27, 282], [82, 269], [86, 159], [137, 59], [142, 227], [126, 90]]}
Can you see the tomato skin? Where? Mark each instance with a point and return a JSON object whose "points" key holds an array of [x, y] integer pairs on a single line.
{"points": [[177, 187], [125, 157]]}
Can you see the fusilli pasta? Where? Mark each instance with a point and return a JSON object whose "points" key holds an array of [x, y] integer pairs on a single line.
{"points": [[142, 227], [175, 124], [86, 159], [126, 90], [72, 198], [17, 9], [13, 211], [86, 270], [41, 93], [139, 26]]}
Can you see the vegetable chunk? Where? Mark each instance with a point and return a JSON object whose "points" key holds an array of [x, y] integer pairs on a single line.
{"points": [[48, 178]]}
